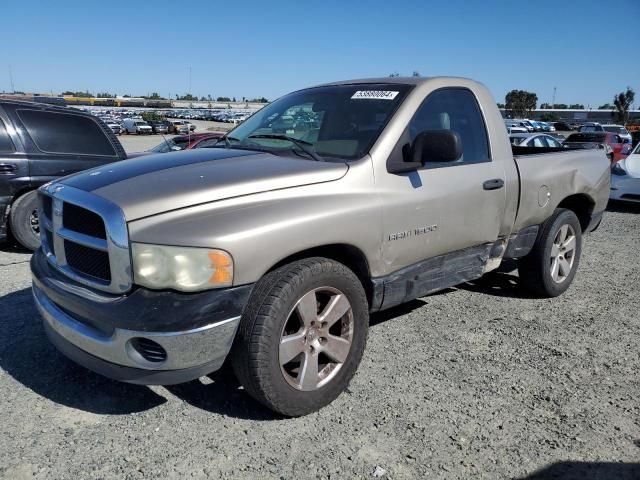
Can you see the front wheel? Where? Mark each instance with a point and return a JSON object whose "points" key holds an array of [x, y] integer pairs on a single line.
{"points": [[24, 222], [550, 267], [302, 336]]}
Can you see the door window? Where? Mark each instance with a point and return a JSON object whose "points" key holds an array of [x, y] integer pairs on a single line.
{"points": [[67, 133], [454, 109]]}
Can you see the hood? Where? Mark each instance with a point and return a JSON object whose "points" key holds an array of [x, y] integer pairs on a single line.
{"points": [[154, 184], [632, 165]]}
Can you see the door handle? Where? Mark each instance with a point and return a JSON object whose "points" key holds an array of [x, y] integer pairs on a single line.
{"points": [[6, 168], [493, 184]]}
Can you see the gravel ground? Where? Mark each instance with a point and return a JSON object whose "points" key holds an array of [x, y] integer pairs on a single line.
{"points": [[140, 143], [479, 381]]}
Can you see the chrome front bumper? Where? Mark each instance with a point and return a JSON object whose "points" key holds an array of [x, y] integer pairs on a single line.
{"points": [[189, 353]]}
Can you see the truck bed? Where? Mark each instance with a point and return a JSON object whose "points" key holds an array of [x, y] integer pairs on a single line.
{"points": [[549, 172]]}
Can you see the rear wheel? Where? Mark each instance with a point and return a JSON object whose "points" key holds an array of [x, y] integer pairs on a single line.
{"points": [[550, 267], [302, 336], [24, 222]]}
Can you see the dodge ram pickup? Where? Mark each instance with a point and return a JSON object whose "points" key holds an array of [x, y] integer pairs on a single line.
{"points": [[271, 248]]}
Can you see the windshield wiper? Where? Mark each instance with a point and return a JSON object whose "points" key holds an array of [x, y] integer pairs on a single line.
{"points": [[227, 141], [301, 144]]}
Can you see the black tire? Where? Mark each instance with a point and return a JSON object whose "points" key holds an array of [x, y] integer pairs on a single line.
{"points": [[255, 353], [20, 220], [535, 269]]}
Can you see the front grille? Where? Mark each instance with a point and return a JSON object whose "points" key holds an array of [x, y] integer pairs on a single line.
{"points": [[49, 236], [87, 261], [83, 221], [85, 237], [47, 206]]}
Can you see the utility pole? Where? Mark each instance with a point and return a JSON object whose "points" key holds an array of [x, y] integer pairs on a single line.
{"points": [[189, 79], [13, 89], [553, 102]]}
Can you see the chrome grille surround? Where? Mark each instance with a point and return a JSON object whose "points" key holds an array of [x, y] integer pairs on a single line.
{"points": [[116, 244]]}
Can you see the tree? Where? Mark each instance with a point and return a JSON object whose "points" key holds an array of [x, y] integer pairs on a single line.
{"points": [[152, 117], [606, 106], [546, 105], [561, 106], [521, 103], [415, 73], [77, 94], [223, 99], [577, 106], [104, 95], [394, 74], [622, 103], [234, 99], [187, 97], [500, 105]]}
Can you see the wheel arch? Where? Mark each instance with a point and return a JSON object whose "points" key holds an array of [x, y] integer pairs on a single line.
{"points": [[350, 256], [580, 204]]}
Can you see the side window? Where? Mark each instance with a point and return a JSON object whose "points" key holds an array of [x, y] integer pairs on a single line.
{"points": [[55, 132], [553, 143], [6, 145], [454, 109], [537, 142]]}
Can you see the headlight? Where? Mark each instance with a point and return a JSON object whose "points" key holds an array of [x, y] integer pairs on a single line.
{"points": [[187, 269]]}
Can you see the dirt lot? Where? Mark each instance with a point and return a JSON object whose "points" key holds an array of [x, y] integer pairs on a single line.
{"points": [[479, 381]]}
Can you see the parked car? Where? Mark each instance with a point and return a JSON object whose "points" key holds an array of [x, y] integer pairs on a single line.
{"points": [[591, 127], [39, 143], [133, 125], [611, 142], [619, 130], [547, 127], [115, 127], [187, 142], [625, 178], [272, 249], [563, 126], [178, 126], [515, 127], [158, 126], [537, 140]]}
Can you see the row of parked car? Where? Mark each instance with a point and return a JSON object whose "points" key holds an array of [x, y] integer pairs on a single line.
{"points": [[137, 125], [215, 115], [615, 146], [529, 126]]}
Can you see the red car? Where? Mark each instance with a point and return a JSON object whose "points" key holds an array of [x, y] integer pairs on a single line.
{"points": [[613, 143], [187, 142]]}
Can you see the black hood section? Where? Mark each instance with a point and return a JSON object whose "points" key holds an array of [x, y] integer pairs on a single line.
{"points": [[99, 177]]}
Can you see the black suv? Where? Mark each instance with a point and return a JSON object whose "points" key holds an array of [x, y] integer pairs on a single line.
{"points": [[39, 143]]}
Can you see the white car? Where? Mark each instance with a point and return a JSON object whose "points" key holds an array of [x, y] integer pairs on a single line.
{"points": [[515, 127], [625, 178], [619, 130], [539, 140]]}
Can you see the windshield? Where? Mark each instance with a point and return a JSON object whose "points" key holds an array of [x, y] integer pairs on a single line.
{"points": [[340, 121], [170, 145]]}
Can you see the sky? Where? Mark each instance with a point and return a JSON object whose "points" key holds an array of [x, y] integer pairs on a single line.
{"points": [[587, 49]]}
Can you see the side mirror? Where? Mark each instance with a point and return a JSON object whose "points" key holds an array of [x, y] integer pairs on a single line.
{"points": [[429, 146], [436, 146]]}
